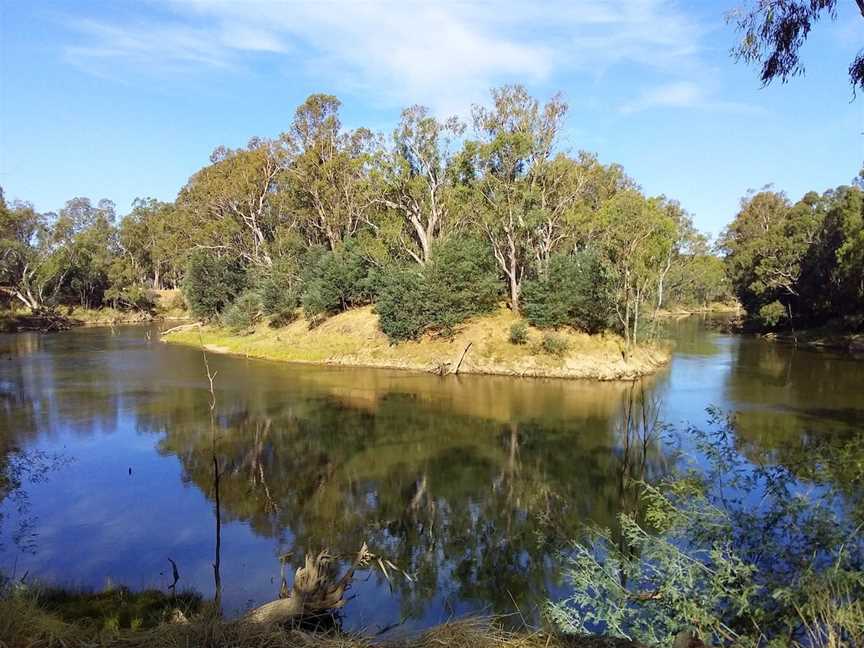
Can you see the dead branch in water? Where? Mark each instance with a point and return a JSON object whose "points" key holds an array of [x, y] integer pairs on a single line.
{"points": [[461, 358], [316, 589], [182, 327]]}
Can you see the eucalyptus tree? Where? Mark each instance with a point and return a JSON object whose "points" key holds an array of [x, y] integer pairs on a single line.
{"points": [[773, 32], [327, 180], [516, 183], [416, 178], [235, 205], [765, 246], [152, 241], [22, 239], [638, 236], [82, 244]]}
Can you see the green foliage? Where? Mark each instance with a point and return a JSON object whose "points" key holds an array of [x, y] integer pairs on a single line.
{"points": [[335, 280], [116, 608], [519, 332], [402, 306], [459, 282], [736, 550], [462, 281], [576, 290], [554, 344], [279, 287], [211, 283], [243, 312], [772, 314], [801, 263], [772, 33]]}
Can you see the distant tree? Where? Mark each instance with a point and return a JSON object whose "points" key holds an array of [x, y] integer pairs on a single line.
{"points": [[773, 32], [639, 234], [153, 241], [23, 252]]}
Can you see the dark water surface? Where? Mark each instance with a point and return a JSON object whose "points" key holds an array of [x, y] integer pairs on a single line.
{"points": [[468, 483]]}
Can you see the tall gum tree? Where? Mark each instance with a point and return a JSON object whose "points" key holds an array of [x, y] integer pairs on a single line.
{"points": [[638, 236], [235, 204], [416, 178], [516, 138], [328, 179]]}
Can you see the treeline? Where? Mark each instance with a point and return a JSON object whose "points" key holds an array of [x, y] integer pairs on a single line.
{"points": [[802, 264], [433, 224]]}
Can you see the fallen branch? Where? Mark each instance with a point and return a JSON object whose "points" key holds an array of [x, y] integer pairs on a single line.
{"points": [[182, 327]]}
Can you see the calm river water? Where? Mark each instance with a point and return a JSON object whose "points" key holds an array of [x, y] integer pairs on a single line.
{"points": [[468, 483]]}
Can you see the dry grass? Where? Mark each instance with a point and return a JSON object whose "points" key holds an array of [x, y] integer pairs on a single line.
{"points": [[24, 624], [353, 338]]}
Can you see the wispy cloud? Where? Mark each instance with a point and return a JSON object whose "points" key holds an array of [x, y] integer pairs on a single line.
{"points": [[683, 94], [442, 54]]}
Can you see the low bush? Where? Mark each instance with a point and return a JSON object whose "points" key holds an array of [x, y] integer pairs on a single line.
{"points": [[279, 287], [212, 283], [402, 306], [460, 281], [335, 280], [555, 345], [243, 313], [519, 332], [576, 290]]}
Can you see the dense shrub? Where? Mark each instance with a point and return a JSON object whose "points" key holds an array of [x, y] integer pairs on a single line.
{"points": [[575, 291], [402, 306], [211, 283], [519, 332], [279, 287], [553, 344], [243, 312], [334, 281], [460, 281], [770, 315]]}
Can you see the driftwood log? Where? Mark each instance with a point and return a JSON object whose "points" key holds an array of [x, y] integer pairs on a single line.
{"points": [[316, 590]]}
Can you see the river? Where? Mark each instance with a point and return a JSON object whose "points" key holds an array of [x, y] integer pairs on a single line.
{"points": [[471, 484]]}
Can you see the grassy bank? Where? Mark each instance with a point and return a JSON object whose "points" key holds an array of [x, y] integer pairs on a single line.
{"points": [[31, 622], [353, 338]]}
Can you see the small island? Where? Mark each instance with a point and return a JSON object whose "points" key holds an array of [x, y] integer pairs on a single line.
{"points": [[481, 346]]}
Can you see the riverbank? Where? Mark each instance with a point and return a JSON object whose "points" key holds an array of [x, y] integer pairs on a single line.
{"points": [[24, 622], [167, 306], [827, 339], [714, 308], [480, 346], [841, 336]]}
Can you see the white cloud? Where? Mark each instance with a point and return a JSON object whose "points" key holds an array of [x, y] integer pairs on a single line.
{"points": [[445, 54], [683, 94]]}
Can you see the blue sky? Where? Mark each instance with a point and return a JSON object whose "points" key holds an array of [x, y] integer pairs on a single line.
{"points": [[128, 98]]}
